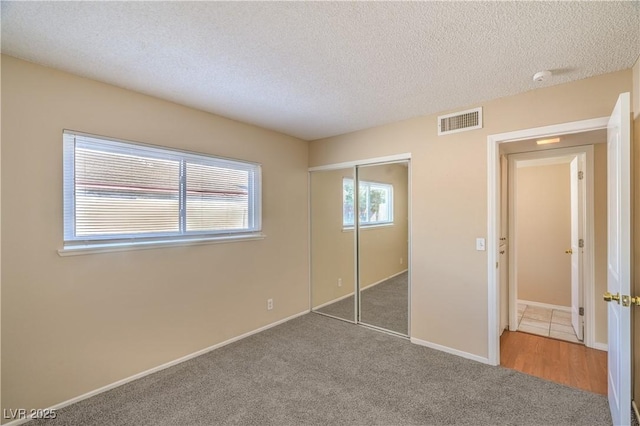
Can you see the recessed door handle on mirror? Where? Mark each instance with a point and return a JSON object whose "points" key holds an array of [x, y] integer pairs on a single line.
{"points": [[569, 251], [608, 297]]}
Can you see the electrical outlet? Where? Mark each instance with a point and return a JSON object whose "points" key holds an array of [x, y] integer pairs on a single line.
{"points": [[269, 304], [339, 282], [401, 261]]}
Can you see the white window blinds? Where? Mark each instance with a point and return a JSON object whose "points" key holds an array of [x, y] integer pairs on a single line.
{"points": [[119, 191]]}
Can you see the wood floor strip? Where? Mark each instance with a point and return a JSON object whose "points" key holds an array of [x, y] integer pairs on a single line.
{"points": [[562, 362]]}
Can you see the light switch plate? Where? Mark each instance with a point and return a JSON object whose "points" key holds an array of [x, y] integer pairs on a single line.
{"points": [[480, 245]]}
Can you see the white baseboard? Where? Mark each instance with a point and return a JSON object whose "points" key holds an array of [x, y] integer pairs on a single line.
{"points": [[635, 410], [351, 294], [333, 301], [545, 305], [503, 328], [384, 279], [452, 351], [158, 368], [600, 346]]}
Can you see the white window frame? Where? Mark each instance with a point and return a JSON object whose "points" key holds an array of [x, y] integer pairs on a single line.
{"points": [[378, 223], [74, 244]]}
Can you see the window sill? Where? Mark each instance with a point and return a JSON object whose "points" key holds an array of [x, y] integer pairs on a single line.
{"points": [[365, 227], [78, 250]]}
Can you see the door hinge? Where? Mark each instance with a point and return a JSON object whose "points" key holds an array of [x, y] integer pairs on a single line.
{"points": [[581, 312], [581, 243], [580, 175]]}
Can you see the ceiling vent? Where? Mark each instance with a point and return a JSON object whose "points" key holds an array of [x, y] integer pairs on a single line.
{"points": [[460, 121]]}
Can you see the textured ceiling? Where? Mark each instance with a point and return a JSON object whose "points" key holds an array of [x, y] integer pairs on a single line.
{"points": [[317, 69]]}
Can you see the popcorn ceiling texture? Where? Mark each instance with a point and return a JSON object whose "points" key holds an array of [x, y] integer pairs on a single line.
{"points": [[318, 69]]}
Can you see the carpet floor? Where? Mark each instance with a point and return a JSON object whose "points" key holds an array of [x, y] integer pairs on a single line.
{"points": [[315, 370], [384, 305]]}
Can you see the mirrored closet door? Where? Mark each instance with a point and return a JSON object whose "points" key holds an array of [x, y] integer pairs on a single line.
{"points": [[383, 248], [333, 267], [359, 245]]}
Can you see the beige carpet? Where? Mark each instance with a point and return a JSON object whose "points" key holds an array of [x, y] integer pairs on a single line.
{"points": [[384, 305], [315, 370]]}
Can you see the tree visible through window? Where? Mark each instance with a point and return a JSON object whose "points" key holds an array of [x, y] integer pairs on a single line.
{"points": [[375, 203]]}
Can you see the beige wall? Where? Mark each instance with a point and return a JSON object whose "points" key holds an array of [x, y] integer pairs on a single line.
{"points": [[73, 324], [449, 198], [543, 227], [332, 247]]}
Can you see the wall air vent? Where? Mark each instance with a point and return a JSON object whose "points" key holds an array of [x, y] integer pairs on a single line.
{"points": [[460, 121]]}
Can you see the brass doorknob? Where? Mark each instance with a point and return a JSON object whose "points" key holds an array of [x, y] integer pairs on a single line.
{"points": [[569, 251], [608, 297], [635, 301]]}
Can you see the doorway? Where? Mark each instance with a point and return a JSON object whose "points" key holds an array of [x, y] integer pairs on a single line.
{"points": [[526, 140], [618, 128], [552, 255], [550, 239], [360, 260]]}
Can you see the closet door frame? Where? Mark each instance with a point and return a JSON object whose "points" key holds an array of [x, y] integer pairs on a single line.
{"points": [[398, 158]]}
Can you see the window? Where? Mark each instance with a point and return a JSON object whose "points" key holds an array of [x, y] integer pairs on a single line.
{"points": [[117, 192], [375, 203]]}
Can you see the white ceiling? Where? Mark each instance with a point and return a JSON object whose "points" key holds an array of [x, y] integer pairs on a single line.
{"points": [[317, 69]]}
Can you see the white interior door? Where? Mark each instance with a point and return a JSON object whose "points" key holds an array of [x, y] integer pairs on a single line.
{"points": [[576, 255], [619, 261], [503, 262]]}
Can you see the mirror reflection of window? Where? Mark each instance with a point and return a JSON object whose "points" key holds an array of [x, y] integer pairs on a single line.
{"points": [[375, 203]]}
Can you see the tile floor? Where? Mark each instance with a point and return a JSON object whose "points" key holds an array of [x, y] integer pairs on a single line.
{"points": [[546, 322]]}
